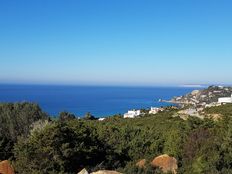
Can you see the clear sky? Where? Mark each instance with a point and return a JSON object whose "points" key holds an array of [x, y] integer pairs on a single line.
{"points": [[116, 42]]}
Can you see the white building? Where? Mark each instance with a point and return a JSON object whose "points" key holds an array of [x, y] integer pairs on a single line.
{"points": [[155, 110], [101, 119], [132, 114], [225, 99]]}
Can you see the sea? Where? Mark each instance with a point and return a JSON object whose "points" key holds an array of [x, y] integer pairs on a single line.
{"points": [[100, 101]]}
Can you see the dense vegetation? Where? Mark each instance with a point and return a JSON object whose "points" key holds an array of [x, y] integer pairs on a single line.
{"points": [[16, 120], [67, 144]]}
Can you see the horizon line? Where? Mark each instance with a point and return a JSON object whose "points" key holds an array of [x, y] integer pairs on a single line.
{"points": [[116, 85]]}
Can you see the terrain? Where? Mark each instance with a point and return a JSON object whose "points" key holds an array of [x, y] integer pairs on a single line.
{"points": [[201, 98], [36, 143]]}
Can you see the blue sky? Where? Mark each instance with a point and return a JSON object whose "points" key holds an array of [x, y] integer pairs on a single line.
{"points": [[116, 42]]}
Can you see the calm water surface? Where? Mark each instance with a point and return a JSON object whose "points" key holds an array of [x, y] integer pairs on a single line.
{"points": [[100, 101]]}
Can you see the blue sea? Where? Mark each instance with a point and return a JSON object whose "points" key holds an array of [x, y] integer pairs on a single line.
{"points": [[99, 101]]}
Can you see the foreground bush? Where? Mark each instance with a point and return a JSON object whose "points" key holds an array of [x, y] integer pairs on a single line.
{"points": [[16, 120], [58, 148]]}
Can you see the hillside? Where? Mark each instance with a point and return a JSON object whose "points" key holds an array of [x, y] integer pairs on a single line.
{"points": [[67, 145], [203, 97]]}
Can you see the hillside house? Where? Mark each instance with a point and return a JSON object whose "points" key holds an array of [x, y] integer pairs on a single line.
{"points": [[132, 114], [223, 100], [155, 110]]}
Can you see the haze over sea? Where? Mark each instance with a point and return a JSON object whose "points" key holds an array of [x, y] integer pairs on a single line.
{"points": [[99, 100]]}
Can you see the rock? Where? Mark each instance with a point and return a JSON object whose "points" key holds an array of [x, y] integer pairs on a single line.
{"points": [[6, 168], [141, 164], [83, 171], [165, 163], [106, 172]]}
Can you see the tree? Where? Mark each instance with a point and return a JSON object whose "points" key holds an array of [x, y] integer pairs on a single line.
{"points": [[58, 148], [64, 116], [16, 120], [89, 116]]}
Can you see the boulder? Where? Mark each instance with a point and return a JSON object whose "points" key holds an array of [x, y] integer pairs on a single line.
{"points": [[6, 168], [141, 164], [106, 172], [83, 171], [165, 163]]}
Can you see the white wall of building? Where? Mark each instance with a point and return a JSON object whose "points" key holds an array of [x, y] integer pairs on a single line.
{"points": [[132, 114], [154, 110], [225, 99]]}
